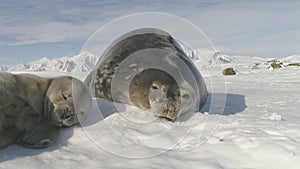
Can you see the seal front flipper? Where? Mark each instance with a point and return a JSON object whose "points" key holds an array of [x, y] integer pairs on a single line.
{"points": [[8, 136], [42, 135]]}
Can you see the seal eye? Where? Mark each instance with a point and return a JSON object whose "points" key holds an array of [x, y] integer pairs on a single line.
{"points": [[186, 96], [64, 96], [154, 87]]}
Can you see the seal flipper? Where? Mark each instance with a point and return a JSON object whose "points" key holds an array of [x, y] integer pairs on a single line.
{"points": [[8, 136], [41, 136]]}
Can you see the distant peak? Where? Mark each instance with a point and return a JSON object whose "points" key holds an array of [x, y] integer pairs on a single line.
{"points": [[82, 62]]}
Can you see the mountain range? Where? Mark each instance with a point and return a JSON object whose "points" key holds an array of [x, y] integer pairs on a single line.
{"points": [[83, 62], [86, 61]]}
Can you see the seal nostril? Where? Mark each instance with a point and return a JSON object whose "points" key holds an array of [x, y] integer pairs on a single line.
{"points": [[66, 116], [154, 87], [186, 96], [64, 96]]}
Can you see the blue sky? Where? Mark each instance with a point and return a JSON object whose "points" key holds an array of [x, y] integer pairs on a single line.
{"points": [[33, 29]]}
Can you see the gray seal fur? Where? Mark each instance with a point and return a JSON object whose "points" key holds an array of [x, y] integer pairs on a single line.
{"points": [[147, 60], [32, 108]]}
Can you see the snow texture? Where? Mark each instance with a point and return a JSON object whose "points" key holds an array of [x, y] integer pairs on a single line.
{"points": [[258, 128]]}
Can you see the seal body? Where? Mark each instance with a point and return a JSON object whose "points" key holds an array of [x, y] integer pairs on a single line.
{"points": [[32, 107], [147, 68]]}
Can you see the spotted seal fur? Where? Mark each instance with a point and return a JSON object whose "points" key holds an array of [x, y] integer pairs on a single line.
{"points": [[147, 68]]}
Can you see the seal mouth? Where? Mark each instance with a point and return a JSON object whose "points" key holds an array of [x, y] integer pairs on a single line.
{"points": [[67, 116], [164, 108], [65, 121], [63, 116], [166, 111], [69, 120], [161, 105]]}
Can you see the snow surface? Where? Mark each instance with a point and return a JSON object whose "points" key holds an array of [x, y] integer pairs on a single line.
{"points": [[258, 129]]}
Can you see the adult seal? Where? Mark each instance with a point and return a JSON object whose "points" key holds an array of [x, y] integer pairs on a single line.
{"points": [[147, 68], [32, 108]]}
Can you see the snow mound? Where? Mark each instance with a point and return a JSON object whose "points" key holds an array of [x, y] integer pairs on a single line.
{"points": [[275, 116], [292, 58], [219, 58]]}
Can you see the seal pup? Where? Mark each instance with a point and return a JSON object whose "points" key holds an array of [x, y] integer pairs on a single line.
{"points": [[147, 68], [32, 108]]}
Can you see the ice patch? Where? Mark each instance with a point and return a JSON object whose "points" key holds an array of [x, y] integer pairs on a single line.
{"points": [[275, 116]]}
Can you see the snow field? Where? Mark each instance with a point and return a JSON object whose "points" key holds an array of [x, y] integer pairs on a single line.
{"points": [[259, 128]]}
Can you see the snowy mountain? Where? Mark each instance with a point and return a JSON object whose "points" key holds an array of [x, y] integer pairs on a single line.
{"points": [[82, 62], [209, 56], [86, 61], [3, 68]]}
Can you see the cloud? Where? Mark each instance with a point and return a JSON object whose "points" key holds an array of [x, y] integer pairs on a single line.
{"points": [[57, 21], [41, 21], [5, 59], [243, 27], [48, 32]]}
